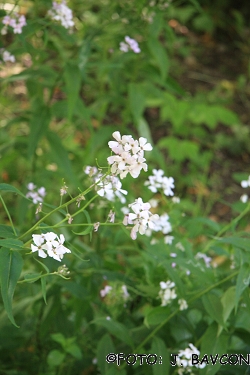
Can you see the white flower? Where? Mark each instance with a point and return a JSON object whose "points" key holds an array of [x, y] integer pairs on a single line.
{"points": [[111, 188], [36, 196], [141, 218], [62, 13], [6, 56], [96, 226], [40, 245], [70, 218], [168, 240], [124, 47], [125, 292], [129, 44], [161, 224], [63, 190], [16, 21], [206, 259], [111, 216], [244, 198], [49, 244], [184, 358], [183, 304], [167, 292], [176, 200], [92, 172], [129, 155], [51, 240], [105, 291], [158, 181], [245, 183]]}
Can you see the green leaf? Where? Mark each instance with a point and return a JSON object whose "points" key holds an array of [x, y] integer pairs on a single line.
{"points": [[87, 216], [213, 307], [11, 243], [157, 315], [32, 277], [11, 264], [42, 264], [160, 57], [38, 127], [55, 358], [105, 346], [156, 26], [228, 303], [85, 231], [186, 149], [144, 129], [43, 285], [159, 348], [74, 350], [137, 100], [12, 189], [115, 328], [242, 282], [6, 231], [60, 156], [211, 344], [60, 339], [242, 243], [72, 76]]}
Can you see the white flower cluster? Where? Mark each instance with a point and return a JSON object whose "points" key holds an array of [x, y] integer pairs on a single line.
{"points": [[109, 188], [108, 288], [245, 184], [159, 181], [62, 13], [6, 56], [17, 22], [206, 259], [49, 244], [36, 196], [161, 224], [129, 155], [141, 218], [129, 44], [184, 359], [167, 292]]}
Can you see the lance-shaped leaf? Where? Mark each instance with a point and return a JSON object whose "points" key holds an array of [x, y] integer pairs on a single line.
{"points": [[10, 188], [11, 263]]}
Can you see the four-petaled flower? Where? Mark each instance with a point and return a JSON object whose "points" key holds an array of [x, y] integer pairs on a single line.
{"points": [[49, 244]]}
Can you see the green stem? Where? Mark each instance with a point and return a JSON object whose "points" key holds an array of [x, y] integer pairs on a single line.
{"points": [[76, 213], [32, 229], [77, 225], [8, 214]]}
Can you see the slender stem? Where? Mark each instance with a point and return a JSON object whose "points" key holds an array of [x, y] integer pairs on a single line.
{"points": [[76, 213], [48, 215], [8, 214], [77, 225], [62, 206]]}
